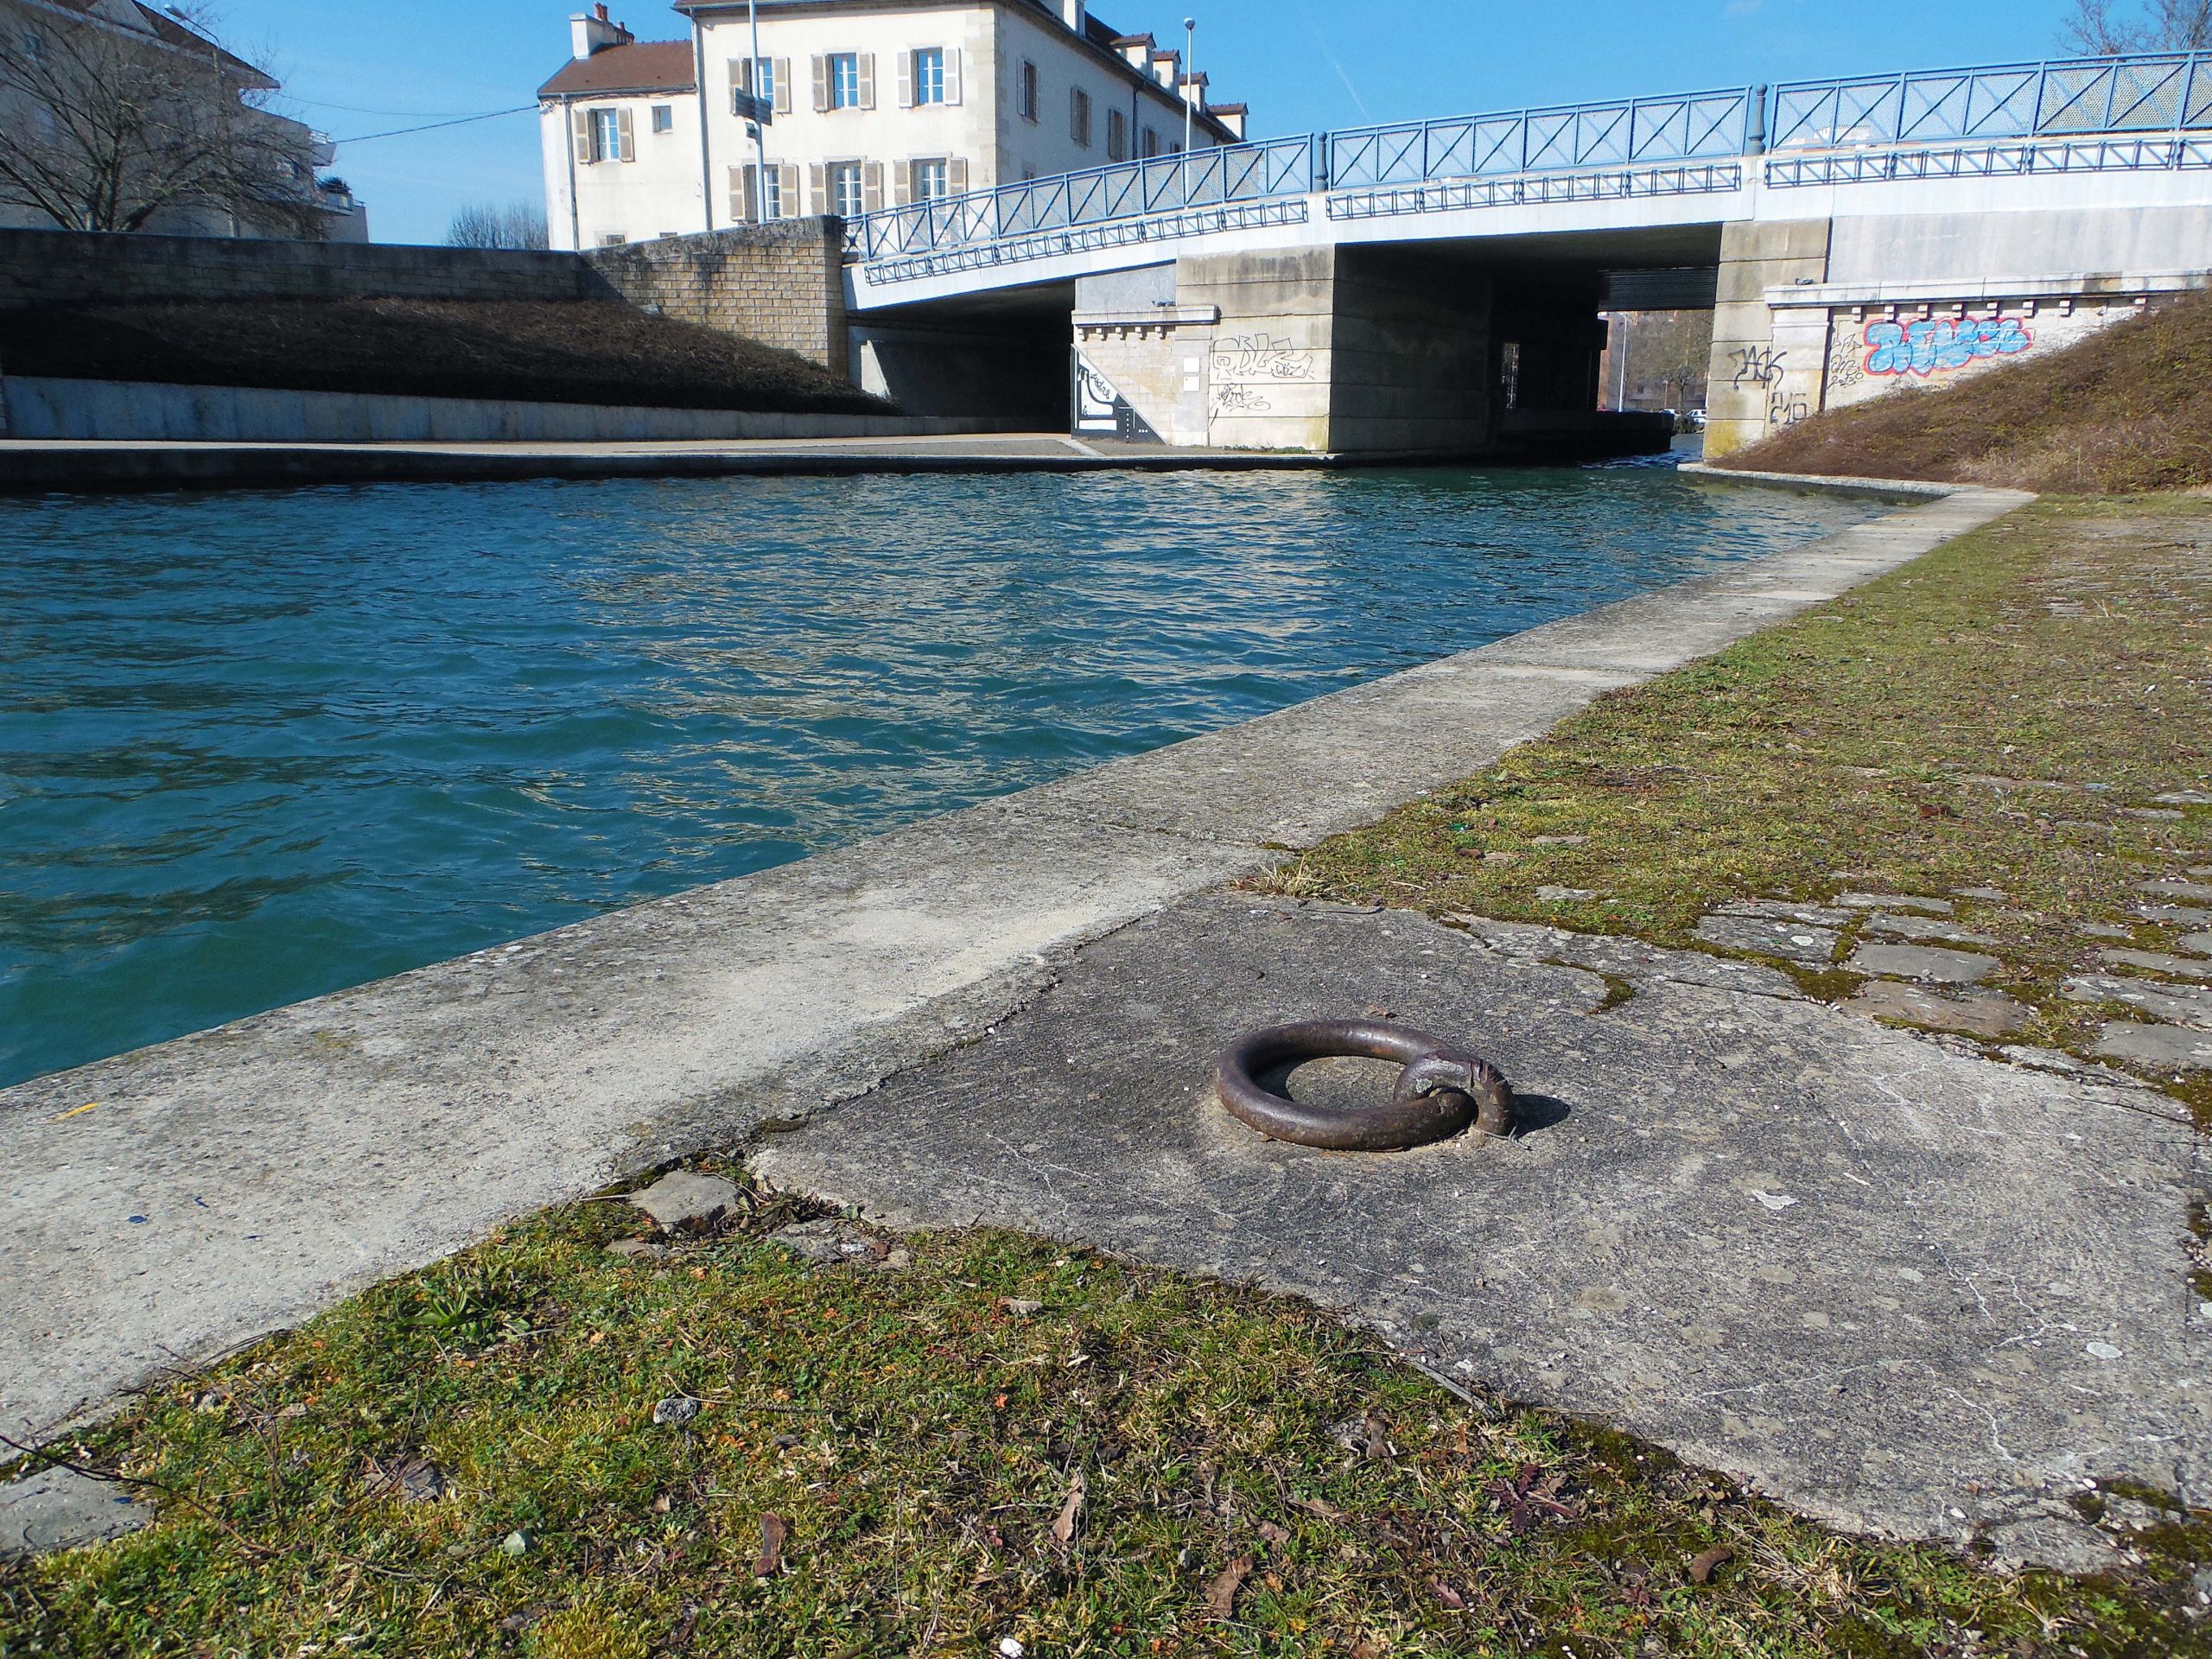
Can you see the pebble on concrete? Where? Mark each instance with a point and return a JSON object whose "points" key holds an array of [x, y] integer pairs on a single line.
{"points": [[687, 1202], [1895, 901], [1983, 1014], [2184, 1005], [827, 1241], [1922, 962], [1792, 941], [1785, 910], [1925, 927], [2157, 962], [2195, 891], [2162, 1046]]}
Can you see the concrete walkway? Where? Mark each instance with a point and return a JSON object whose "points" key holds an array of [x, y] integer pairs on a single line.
{"points": [[167, 1206], [1894, 1285]]}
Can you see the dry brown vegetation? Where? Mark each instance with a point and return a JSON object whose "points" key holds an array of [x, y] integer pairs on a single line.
{"points": [[2129, 408], [576, 352]]}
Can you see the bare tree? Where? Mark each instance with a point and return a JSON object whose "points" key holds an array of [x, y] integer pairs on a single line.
{"points": [[2159, 26], [127, 115], [485, 225]]}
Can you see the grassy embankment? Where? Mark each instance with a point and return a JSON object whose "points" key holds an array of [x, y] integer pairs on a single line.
{"points": [[573, 351], [996, 1439], [2128, 409]]}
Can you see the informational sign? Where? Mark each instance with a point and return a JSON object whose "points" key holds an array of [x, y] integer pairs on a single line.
{"points": [[748, 107]]}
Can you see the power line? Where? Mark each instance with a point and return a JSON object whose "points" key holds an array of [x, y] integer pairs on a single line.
{"points": [[401, 132], [358, 109]]}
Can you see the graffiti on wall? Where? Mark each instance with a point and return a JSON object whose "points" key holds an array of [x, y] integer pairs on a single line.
{"points": [[1101, 409], [1939, 345], [1758, 366], [1785, 408], [1240, 400], [1259, 357]]}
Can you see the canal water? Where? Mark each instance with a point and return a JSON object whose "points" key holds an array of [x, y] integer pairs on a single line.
{"points": [[255, 747]]}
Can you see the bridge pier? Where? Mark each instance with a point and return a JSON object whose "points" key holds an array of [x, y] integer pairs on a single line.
{"points": [[1767, 366], [1348, 350]]}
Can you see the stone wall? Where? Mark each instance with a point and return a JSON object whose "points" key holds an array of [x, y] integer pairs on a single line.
{"points": [[781, 284], [79, 267], [1764, 374]]}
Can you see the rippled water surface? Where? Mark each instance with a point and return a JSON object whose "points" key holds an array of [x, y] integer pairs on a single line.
{"points": [[257, 747]]}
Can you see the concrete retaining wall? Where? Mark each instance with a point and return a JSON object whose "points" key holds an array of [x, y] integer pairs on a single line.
{"points": [[135, 411], [90, 267]]}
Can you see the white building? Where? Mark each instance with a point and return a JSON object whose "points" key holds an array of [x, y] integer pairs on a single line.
{"points": [[876, 104], [124, 116]]}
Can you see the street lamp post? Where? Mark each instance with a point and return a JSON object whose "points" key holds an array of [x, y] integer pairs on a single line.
{"points": [[1190, 68]]}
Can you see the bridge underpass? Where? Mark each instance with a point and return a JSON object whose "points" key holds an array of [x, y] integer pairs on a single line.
{"points": [[1435, 287]]}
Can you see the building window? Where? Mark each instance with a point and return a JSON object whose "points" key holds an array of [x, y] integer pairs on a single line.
{"points": [[933, 180], [844, 80], [763, 82], [1508, 372], [664, 118], [1148, 146], [606, 135], [1117, 136], [929, 75], [1081, 118], [613, 239], [772, 191], [1025, 90], [847, 190]]}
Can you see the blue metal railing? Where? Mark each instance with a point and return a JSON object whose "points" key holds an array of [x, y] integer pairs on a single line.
{"points": [[2160, 92], [1651, 138]]}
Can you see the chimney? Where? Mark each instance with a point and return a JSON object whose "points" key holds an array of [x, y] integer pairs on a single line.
{"points": [[1072, 14], [594, 32]]}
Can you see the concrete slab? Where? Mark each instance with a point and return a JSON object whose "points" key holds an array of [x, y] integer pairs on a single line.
{"points": [[59, 1509], [1898, 1286], [235, 1182]]}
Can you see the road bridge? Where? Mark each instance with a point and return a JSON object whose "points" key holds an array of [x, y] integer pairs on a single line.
{"points": [[1435, 287]]}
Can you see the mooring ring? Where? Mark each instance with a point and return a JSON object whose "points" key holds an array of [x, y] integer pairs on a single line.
{"points": [[1443, 1088]]}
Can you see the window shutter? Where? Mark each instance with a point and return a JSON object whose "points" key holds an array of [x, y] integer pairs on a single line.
{"points": [[740, 75], [783, 72], [627, 128], [744, 196], [955, 175], [902, 183], [952, 74], [818, 187], [871, 186], [789, 192], [820, 85], [584, 137], [867, 79], [905, 81]]}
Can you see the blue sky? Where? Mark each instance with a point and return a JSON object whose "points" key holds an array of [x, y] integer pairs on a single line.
{"points": [[1303, 65]]}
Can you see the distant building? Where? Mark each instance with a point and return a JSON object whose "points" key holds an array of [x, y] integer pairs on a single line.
{"points": [[113, 111], [876, 104]]}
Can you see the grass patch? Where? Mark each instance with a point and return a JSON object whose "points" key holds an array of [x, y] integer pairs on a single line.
{"points": [[2128, 409], [572, 351], [1994, 715], [1001, 1438]]}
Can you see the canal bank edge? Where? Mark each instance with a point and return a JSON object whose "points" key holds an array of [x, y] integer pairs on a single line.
{"points": [[172, 1205]]}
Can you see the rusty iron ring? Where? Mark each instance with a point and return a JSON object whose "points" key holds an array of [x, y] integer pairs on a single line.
{"points": [[1443, 1088]]}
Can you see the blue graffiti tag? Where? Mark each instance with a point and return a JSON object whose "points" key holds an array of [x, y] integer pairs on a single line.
{"points": [[1941, 343]]}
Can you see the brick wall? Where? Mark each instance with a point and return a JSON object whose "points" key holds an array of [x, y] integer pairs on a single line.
{"points": [[781, 284], [56, 267]]}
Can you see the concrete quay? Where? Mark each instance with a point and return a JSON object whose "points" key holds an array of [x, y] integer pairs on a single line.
{"points": [[34, 466], [165, 1206]]}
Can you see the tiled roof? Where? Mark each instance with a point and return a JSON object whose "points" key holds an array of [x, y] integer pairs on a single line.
{"points": [[646, 66]]}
